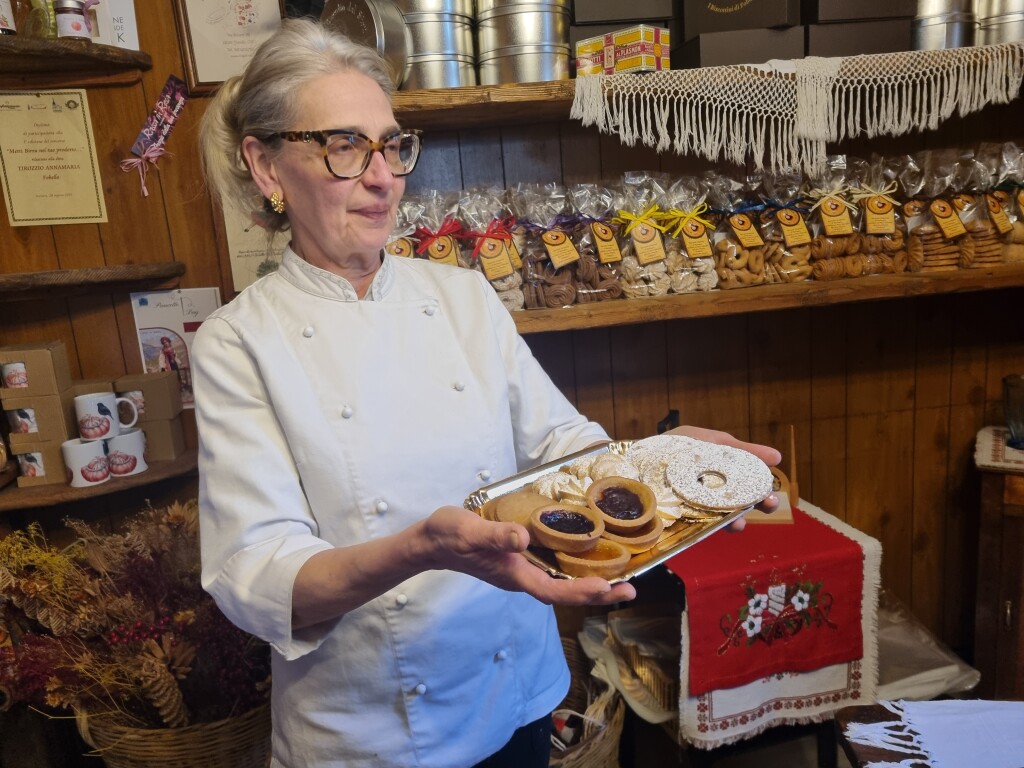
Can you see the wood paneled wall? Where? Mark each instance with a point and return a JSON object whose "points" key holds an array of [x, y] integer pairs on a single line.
{"points": [[886, 397]]}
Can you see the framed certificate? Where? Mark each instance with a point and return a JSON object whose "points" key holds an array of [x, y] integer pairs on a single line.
{"points": [[218, 37]]}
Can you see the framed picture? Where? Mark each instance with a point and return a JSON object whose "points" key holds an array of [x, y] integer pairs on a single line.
{"points": [[218, 37]]}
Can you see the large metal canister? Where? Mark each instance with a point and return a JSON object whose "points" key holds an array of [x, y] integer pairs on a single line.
{"points": [[944, 24], [521, 42], [999, 21], [442, 50]]}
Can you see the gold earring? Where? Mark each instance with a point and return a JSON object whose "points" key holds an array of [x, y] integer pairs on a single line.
{"points": [[277, 202]]}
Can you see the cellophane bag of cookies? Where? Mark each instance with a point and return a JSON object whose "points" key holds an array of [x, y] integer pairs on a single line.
{"points": [[1004, 163], [644, 271], [937, 240], [688, 227], [971, 183], [787, 238], [548, 253], [437, 227], [402, 241], [883, 237], [487, 243], [596, 240], [834, 223], [736, 242]]}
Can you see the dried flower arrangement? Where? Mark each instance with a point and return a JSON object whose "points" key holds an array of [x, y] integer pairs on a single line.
{"points": [[117, 625]]}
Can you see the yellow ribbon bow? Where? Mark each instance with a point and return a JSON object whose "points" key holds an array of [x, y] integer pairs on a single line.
{"points": [[648, 217], [678, 218]]}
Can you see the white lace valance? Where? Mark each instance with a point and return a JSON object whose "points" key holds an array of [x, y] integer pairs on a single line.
{"points": [[781, 114]]}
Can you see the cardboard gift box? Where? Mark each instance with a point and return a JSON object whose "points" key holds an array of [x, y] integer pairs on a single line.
{"points": [[602, 11], [46, 367], [742, 46], [40, 463], [723, 16], [580, 32], [860, 37], [156, 395], [165, 439], [43, 418], [827, 11], [634, 49], [90, 386]]}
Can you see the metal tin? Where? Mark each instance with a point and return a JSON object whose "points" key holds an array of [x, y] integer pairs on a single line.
{"points": [[676, 538], [942, 7], [1001, 29], [984, 9], [484, 7], [454, 7], [376, 23], [954, 30], [439, 33], [524, 64], [535, 24], [435, 71], [70, 16]]}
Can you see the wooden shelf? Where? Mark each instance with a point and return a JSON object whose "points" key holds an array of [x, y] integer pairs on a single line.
{"points": [[485, 106], [66, 63], [13, 497], [765, 298], [22, 286]]}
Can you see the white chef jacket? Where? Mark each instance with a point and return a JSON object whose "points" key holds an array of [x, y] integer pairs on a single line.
{"points": [[327, 421]]}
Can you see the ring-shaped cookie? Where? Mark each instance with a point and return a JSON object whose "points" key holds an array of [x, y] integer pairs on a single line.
{"points": [[719, 478]]}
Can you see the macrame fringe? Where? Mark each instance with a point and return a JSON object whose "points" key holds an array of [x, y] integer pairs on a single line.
{"points": [[891, 736], [784, 120]]}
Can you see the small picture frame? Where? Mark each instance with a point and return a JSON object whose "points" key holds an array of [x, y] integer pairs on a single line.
{"points": [[219, 37]]}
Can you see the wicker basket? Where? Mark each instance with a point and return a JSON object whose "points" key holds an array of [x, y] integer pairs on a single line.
{"points": [[236, 742], [600, 746]]}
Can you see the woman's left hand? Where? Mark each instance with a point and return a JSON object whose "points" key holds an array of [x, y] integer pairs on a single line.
{"points": [[765, 453]]}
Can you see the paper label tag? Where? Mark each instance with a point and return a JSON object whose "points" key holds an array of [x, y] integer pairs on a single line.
{"points": [[997, 214], [515, 247], [835, 217], [650, 248], [608, 251], [165, 114], [1020, 201], [794, 228], [444, 250], [494, 258], [743, 227], [401, 246], [947, 218], [879, 216], [560, 248], [695, 240]]}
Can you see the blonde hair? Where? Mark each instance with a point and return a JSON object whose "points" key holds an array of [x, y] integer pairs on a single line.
{"points": [[263, 100]]}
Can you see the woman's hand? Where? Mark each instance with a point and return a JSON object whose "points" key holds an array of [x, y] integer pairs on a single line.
{"points": [[460, 540], [765, 453]]}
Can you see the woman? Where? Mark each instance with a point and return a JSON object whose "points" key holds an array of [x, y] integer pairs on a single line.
{"points": [[345, 404]]}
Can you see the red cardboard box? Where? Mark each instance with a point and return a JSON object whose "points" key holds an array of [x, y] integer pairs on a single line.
{"points": [[156, 395], [165, 439], [741, 46], [40, 419], [40, 463], [634, 49], [46, 365], [727, 15]]}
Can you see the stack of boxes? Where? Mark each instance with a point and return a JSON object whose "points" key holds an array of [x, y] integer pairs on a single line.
{"points": [[40, 412], [853, 27], [717, 34], [158, 398], [610, 36]]}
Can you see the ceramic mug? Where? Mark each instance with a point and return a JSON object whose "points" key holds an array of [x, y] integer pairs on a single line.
{"points": [[15, 375], [86, 462], [98, 416], [126, 453]]}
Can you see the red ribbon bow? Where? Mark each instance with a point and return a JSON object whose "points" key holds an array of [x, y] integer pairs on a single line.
{"points": [[426, 238], [498, 229], [151, 154]]}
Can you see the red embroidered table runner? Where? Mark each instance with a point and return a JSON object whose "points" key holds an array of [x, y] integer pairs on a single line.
{"points": [[771, 599]]}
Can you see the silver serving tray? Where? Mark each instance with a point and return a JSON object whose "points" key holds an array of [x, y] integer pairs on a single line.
{"points": [[681, 535]]}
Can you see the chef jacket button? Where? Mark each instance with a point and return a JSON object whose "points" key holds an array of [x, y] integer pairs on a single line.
{"points": [[501, 655], [401, 599], [429, 311], [381, 506], [420, 689], [346, 412], [459, 386], [484, 474], [308, 331]]}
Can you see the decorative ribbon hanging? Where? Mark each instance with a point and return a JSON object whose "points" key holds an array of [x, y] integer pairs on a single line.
{"points": [[648, 217], [149, 156], [425, 238], [498, 229], [677, 219], [838, 194], [864, 191]]}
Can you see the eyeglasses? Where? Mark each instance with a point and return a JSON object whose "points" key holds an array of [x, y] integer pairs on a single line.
{"points": [[347, 153]]}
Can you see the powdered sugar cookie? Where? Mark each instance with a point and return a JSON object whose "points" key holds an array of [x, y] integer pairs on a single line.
{"points": [[719, 477]]}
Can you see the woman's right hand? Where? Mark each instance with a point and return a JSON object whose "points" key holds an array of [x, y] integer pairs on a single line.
{"points": [[456, 539]]}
